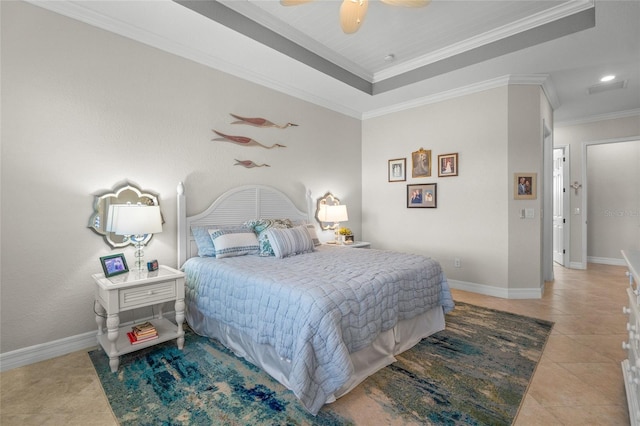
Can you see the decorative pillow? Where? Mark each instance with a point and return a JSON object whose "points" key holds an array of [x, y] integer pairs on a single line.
{"points": [[289, 241], [203, 241], [260, 226], [229, 243], [311, 229]]}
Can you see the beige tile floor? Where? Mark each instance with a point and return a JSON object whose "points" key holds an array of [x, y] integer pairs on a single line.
{"points": [[578, 381]]}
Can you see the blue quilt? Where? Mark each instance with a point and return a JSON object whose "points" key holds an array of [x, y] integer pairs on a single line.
{"points": [[317, 308]]}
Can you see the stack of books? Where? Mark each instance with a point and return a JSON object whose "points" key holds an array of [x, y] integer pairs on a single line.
{"points": [[142, 333]]}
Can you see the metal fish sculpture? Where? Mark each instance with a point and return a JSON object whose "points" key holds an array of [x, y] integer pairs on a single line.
{"points": [[259, 122], [243, 140], [249, 164]]}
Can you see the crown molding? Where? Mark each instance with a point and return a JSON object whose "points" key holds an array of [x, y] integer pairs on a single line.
{"points": [[550, 15], [600, 117]]}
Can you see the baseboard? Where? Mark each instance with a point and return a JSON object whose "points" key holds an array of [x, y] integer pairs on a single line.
{"points": [[606, 261], [56, 348], [504, 293], [45, 351], [577, 265]]}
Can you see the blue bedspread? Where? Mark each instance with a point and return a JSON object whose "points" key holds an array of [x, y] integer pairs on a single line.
{"points": [[317, 308]]}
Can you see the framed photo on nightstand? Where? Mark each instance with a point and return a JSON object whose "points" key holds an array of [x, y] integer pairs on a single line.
{"points": [[114, 264]]}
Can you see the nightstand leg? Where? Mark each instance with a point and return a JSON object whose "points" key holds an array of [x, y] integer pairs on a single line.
{"points": [[179, 321], [100, 316], [113, 321]]}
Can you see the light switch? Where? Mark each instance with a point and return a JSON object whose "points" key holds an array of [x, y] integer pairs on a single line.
{"points": [[576, 210], [529, 213]]}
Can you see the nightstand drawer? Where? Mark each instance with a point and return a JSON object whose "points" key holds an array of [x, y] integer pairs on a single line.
{"points": [[147, 295]]}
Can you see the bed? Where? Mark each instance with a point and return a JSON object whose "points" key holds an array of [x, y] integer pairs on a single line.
{"points": [[318, 319]]}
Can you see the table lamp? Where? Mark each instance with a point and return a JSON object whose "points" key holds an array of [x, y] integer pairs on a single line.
{"points": [[135, 222]]}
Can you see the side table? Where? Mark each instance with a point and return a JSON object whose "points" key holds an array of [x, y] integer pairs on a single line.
{"points": [[137, 289]]}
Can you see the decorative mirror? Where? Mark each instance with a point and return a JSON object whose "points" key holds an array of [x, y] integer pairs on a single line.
{"points": [[121, 195], [327, 199]]}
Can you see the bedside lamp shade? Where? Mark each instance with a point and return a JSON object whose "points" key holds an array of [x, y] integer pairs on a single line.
{"points": [[134, 219], [135, 222], [336, 213]]}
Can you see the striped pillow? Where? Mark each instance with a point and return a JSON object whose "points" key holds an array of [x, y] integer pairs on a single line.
{"points": [[289, 241], [232, 243]]}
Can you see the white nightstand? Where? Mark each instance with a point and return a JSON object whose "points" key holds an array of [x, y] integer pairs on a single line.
{"points": [[356, 244], [136, 290]]}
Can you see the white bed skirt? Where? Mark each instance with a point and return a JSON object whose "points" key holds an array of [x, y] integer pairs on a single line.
{"points": [[378, 355]]}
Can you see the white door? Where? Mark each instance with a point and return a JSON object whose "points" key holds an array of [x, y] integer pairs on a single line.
{"points": [[558, 206]]}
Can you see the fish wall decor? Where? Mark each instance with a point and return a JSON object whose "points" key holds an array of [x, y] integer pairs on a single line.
{"points": [[259, 122], [249, 164], [243, 140]]}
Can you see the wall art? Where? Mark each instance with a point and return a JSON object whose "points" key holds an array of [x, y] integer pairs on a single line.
{"points": [[422, 195], [421, 163], [259, 122], [249, 164], [398, 170], [524, 186], [448, 165], [242, 140]]}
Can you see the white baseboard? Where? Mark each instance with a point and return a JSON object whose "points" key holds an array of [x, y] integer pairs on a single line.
{"points": [[606, 261], [505, 293], [56, 348], [577, 265], [45, 351]]}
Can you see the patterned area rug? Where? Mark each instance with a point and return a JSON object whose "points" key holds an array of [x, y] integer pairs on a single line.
{"points": [[474, 372]]}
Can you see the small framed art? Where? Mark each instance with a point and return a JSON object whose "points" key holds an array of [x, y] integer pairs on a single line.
{"points": [[114, 264], [422, 196], [524, 186], [421, 163], [398, 170], [448, 165]]}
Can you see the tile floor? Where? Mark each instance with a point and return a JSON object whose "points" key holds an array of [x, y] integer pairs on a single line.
{"points": [[578, 381]]}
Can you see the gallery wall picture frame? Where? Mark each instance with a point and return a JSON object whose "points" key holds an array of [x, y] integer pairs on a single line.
{"points": [[114, 264], [398, 170], [525, 186], [421, 163], [448, 165], [423, 195]]}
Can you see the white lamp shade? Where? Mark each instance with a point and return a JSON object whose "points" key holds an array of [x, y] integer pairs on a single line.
{"points": [[134, 219], [334, 213]]}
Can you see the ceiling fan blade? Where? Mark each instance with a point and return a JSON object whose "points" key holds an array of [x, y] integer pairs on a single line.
{"points": [[407, 3], [352, 13], [294, 2]]}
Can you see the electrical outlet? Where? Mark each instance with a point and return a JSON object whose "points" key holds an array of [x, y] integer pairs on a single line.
{"points": [[457, 263]]}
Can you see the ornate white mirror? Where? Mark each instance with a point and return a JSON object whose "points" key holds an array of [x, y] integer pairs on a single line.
{"points": [[125, 194], [327, 199]]}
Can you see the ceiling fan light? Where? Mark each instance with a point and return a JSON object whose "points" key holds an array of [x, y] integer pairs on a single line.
{"points": [[352, 13]]}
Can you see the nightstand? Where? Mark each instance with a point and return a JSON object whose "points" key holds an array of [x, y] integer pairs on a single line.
{"points": [[137, 289], [356, 244]]}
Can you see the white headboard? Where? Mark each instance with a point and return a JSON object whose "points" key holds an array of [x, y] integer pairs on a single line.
{"points": [[233, 208]]}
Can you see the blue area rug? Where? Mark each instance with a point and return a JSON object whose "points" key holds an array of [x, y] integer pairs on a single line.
{"points": [[475, 372]]}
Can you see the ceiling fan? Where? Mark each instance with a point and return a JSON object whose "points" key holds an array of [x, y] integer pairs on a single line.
{"points": [[352, 12]]}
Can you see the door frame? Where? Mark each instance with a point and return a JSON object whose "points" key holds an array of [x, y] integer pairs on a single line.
{"points": [[585, 191], [566, 203]]}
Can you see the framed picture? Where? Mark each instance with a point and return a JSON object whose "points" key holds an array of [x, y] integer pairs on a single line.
{"points": [[422, 196], [421, 163], [114, 264], [448, 165], [524, 186], [398, 170]]}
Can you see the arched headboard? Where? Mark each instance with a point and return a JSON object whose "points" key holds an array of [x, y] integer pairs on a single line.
{"points": [[233, 208]]}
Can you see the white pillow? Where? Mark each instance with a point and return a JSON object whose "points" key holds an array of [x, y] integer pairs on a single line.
{"points": [[289, 241], [229, 243]]}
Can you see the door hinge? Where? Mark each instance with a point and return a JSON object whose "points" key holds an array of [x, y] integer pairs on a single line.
{"points": [[564, 251], [564, 189], [564, 220]]}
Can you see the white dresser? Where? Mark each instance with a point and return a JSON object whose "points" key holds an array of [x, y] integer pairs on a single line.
{"points": [[631, 365]]}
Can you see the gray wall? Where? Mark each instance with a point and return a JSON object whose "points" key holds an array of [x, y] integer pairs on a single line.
{"points": [[84, 109]]}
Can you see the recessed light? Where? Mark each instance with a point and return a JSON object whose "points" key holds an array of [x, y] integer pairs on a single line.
{"points": [[607, 78]]}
